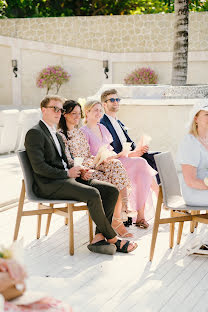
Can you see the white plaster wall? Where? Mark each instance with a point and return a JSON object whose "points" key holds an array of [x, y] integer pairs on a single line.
{"points": [[86, 75], [197, 72], [162, 68], [5, 75], [165, 124]]}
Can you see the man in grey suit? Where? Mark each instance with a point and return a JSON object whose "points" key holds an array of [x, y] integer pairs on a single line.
{"points": [[56, 179]]}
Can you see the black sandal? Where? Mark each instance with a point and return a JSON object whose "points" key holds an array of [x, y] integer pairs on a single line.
{"points": [[124, 248], [102, 247], [128, 222]]}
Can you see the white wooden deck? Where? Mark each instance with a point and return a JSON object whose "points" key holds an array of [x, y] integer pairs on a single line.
{"points": [[93, 282]]}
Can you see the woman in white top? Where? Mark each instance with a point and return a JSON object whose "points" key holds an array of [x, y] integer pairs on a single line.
{"points": [[193, 157]]}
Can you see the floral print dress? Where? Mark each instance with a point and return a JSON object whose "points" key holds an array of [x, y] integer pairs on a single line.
{"points": [[111, 171]]}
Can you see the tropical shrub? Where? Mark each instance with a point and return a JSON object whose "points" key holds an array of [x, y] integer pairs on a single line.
{"points": [[142, 76]]}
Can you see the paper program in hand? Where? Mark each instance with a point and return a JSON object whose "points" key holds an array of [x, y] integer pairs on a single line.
{"points": [[78, 161], [144, 140], [102, 154], [126, 148]]}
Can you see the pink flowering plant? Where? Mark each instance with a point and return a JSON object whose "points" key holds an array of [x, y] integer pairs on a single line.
{"points": [[52, 76], [141, 76]]}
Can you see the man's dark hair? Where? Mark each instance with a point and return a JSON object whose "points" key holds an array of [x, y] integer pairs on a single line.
{"points": [[106, 93]]}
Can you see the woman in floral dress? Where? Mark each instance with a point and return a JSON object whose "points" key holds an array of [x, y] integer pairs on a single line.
{"points": [[111, 171]]}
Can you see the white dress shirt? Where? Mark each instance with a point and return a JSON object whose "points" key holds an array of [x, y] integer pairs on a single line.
{"points": [[52, 131], [118, 129]]}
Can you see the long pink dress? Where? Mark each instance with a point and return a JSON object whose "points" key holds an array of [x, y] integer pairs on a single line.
{"points": [[139, 171]]}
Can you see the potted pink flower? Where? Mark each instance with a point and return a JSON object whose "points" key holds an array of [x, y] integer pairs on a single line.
{"points": [[142, 76], [52, 76]]}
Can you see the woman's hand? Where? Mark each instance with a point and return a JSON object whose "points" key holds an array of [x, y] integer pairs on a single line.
{"points": [[86, 173], [14, 269], [139, 152], [144, 149]]}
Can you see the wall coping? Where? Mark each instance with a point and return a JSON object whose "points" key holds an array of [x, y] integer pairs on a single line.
{"points": [[17, 43]]}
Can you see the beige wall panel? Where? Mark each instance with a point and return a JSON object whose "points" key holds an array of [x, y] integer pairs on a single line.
{"points": [[32, 63], [5, 76], [197, 72], [121, 70], [157, 121], [86, 76]]}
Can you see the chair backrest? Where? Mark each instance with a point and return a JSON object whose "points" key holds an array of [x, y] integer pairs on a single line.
{"points": [[8, 130], [168, 176], [27, 173]]}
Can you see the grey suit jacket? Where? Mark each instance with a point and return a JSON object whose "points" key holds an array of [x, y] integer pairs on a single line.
{"points": [[48, 169]]}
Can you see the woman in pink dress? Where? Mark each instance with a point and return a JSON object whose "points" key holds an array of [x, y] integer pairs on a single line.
{"points": [[140, 173]]}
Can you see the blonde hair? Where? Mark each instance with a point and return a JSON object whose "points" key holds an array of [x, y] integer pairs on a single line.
{"points": [[88, 106], [194, 127]]}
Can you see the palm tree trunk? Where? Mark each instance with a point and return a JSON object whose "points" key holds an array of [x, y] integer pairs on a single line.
{"points": [[180, 50]]}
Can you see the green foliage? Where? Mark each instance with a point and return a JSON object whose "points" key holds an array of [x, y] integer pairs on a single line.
{"points": [[3, 5], [47, 8]]}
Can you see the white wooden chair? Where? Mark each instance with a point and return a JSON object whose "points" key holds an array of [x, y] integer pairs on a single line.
{"points": [[46, 206], [8, 130], [170, 195]]}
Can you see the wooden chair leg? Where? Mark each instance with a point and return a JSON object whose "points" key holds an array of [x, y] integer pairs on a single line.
{"points": [[66, 220], [71, 229], [39, 223], [180, 230], [172, 229], [156, 224], [19, 212], [90, 228], [192, 223], [196, 223], [48, 221]]}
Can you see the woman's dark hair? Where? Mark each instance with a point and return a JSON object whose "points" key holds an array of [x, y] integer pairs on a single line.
{"points": [[69, 106]]}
